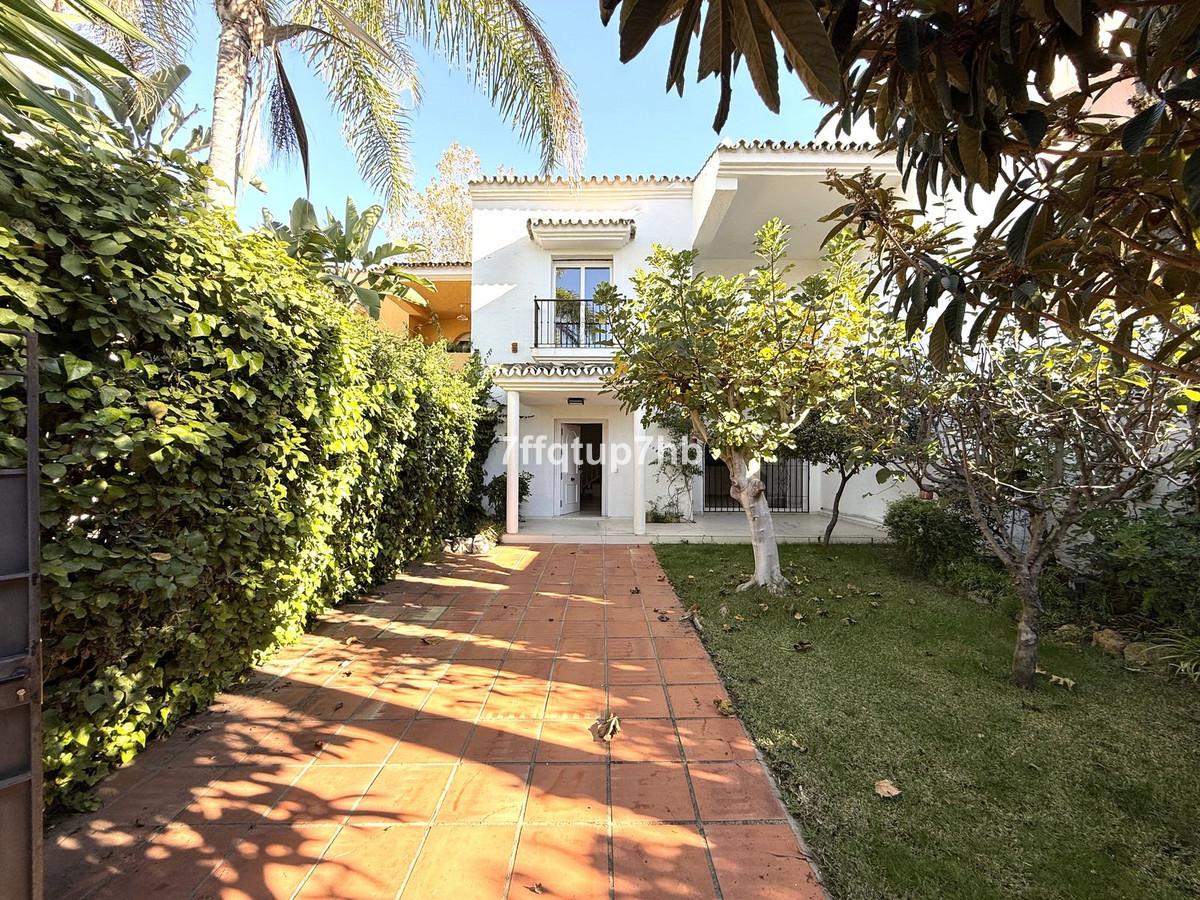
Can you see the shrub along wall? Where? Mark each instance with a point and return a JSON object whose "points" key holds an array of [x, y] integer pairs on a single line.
{"points": [[226, 452]]}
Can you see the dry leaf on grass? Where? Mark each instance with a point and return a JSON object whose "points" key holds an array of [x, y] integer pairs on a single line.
{"points": [[886, 789], [1068, 683]]}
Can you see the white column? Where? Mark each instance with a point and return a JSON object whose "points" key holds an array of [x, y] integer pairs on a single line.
{"points": [[639, 474], [512, 457]]}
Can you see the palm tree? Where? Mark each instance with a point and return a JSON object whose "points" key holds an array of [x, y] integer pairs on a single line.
{"points": [[360, 49], [38, 44]]}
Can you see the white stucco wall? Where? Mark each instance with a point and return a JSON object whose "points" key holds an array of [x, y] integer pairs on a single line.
{"points": [[509, 270]]}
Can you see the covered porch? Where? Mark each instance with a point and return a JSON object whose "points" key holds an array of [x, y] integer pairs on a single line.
{"points": [[712, 527]]}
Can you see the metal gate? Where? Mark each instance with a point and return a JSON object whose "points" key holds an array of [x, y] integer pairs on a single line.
{"points": [[785, 482], [20, 643]]}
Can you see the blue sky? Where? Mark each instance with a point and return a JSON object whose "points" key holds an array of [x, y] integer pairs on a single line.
{"points": [[633, 126]]}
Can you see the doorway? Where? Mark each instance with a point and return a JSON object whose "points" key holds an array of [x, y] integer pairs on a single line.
{"points": [[581, 478]]}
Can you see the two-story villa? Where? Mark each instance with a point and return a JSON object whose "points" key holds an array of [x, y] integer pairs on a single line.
{"points": [[541, 247]]}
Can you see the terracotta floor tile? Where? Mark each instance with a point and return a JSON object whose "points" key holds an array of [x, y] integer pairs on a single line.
{"points": [[638, 701], [761, 862], [626, 627], [323, 794], [403, 795], [516, 702], [633, 671], [707, 740], [172, 863], [581, 648], [362, 743], [270, 861], [692, 701], [365, 761], [654, 792], [569, 862], [570, 741], [680, 648], [241, 794], [659, 862], [689, 671], [575, 701], [734, 791], [646, 740], [431, 741], [630, 648], [567, 792], [485, 793], [157, 799], [445, 871], [449, 701], [510, 740], [589, 673], [364, 862]]}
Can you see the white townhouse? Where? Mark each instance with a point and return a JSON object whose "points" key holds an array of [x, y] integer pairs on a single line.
{"points": [[541, 246]]}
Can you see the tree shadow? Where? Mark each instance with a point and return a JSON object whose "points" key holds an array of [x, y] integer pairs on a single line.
{"points": [[424, 702]]}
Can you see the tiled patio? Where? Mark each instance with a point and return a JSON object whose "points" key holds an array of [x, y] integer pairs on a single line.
{"points": [[436, 741]]}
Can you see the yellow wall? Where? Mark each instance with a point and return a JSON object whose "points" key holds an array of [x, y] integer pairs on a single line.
{"points": [[437, 321]]}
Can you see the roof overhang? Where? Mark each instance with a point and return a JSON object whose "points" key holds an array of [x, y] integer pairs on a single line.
{"points": [[555, 377], [581, 233]]}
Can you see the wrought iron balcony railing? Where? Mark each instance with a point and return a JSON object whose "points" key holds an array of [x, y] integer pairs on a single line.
{"points": [[570, 323]]}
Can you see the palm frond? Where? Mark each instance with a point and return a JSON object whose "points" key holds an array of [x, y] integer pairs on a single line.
{"points": [[508, 57], [36, 39], [286, 124], [361, 56], [166, 24]]}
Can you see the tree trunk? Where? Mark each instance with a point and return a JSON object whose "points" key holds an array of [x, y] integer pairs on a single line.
{"points": [[747, 489], [835, 510], [1024, 664], [237, 18]]}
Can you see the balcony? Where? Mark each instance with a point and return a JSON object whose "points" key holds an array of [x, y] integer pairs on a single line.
{"points": [[571, 325]]}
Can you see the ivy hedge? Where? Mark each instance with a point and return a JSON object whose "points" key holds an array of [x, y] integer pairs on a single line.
{"points": [[226, 449]]}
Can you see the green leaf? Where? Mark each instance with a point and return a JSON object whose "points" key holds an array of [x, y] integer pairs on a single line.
{"points": [[1138, 129], [1017, 241], [74, 367], [883, 475], [1191, 184], [1072, 13]]}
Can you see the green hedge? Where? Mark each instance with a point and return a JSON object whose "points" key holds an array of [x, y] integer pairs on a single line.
{"points": [[226, 450]]}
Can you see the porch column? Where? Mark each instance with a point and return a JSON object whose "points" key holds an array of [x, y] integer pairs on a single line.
{"points": [[513, 460], [639, 474]]}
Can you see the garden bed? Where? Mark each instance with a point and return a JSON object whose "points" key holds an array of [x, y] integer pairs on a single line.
{"points": [[1088, 790]]}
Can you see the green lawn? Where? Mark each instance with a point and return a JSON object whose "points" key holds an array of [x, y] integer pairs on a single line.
{"points": [[1092, 792]]}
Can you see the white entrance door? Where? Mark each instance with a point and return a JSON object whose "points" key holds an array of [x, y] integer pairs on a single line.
{"points": [[569, 493]]}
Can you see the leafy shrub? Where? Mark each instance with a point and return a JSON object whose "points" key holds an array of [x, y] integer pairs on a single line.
{"points": [[1147, 565], [929, 533], [226, 450], [496, 492]]}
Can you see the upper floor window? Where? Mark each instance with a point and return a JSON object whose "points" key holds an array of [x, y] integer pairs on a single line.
{"points": [[579, 280], [571, 318]]}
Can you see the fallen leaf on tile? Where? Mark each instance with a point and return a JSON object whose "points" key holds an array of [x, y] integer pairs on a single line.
{"points": [[350, 640], [431, 640], [635, 590], [607, 729], [664, 618], [724, 707], [886, 789]]}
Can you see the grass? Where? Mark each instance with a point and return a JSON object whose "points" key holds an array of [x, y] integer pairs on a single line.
{"points": [[1091, 792]]}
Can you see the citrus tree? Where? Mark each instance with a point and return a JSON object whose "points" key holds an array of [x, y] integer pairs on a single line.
{"points": [[741, 356], [1083, 119], [1038, 434]]}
